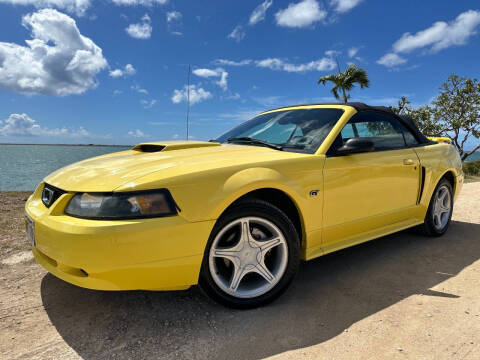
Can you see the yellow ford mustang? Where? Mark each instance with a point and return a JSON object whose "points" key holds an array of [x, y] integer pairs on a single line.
{"points": [[237, 214]]}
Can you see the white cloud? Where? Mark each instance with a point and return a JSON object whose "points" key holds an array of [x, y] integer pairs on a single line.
{"points": [[231, 62], [128, 70], [142, 30], [332, 53], [140, 2], [270, 100], [148, 104], [175, 136], [21, 125], [173, 15], [323, 64], [117, 92], [391, 60], [139, 89], [58, 60], [205, 72], [353, 51], [343, 6], [240, 115], [222, 82], [116, 73], [137, 134], [441, 35], [221, 73], [259, 12], [302, 14], [237, 34], [77, 7], [174, 24], [235, 96], [197, 94]]}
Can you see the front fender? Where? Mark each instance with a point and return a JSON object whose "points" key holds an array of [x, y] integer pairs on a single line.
{"points": [[209, 196], [248, 180]]}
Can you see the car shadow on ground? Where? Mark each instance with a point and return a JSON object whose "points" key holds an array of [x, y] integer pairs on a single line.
{"points": [[329, 295]]}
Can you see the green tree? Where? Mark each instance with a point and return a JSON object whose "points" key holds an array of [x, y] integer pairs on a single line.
{"points": [[454, 113], [423, 117], [345, 81]]}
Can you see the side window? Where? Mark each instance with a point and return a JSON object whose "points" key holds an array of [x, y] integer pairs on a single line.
{"points": [[347, 132], [409, 138], [386, 132]]}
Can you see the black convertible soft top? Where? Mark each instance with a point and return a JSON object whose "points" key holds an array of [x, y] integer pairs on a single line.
{"points": [[405, 120]]}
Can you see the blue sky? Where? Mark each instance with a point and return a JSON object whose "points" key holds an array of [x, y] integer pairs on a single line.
{"points": [[115, 71]]}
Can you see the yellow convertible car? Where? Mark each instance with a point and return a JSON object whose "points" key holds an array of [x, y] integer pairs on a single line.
{"points": [[237, 214]]}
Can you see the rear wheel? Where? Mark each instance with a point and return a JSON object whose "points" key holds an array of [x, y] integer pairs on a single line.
{"points": [[440, 210], [251, 257]]}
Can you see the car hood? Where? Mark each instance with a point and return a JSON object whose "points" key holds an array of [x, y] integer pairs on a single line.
{"points": [[167, 159]]}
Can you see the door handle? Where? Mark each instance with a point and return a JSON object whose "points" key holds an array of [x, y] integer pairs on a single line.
{"points": [[407, 162]]}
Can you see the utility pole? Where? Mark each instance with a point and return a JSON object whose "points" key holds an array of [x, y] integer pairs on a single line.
{"points": [[188, 96]]}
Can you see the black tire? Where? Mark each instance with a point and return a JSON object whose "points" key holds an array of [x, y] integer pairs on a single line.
{"points": [[261, 209], [429, 227]]}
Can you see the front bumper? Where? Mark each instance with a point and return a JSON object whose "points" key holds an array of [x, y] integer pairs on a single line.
{"points": [[153, 254]]}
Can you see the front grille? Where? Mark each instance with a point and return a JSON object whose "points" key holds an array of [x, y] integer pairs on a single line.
{"points": [[50, 194]]}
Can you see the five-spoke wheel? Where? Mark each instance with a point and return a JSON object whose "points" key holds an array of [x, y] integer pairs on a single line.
{"points": [[252, 255], [440, 209], [248, 257]]}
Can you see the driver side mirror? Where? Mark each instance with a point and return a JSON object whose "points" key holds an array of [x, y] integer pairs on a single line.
{"points": [[356, 146]]}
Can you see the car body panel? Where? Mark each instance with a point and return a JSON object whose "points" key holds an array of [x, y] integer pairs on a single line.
{"points": [[438, 159], [356, 189], [170, 247], [341, 201]]}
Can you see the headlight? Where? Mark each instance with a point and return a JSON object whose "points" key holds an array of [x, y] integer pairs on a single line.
{"points": [[127, 205]]}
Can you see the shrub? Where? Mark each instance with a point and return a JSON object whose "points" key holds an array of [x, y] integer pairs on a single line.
{"points": [[472, 168]]}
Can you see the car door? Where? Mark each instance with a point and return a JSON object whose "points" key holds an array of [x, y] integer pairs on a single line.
{"points": [[369, 192]]}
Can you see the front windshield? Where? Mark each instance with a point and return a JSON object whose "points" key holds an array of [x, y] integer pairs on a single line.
{"points": [[301, 130]]}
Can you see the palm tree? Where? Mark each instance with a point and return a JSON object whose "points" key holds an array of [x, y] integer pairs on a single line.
{"points": [[346, 80]]}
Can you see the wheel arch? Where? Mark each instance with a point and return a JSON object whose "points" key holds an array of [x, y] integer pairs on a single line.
{"points": [[281, 200], [450, 176]]}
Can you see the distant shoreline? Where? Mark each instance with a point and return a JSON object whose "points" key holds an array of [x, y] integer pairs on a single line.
{"points": [[104, 145]]}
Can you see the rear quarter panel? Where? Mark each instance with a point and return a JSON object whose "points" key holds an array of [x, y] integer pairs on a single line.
{"points": [[438, 159]]}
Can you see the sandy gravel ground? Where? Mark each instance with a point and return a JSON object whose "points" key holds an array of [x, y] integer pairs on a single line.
{"points": [[400, 297]]}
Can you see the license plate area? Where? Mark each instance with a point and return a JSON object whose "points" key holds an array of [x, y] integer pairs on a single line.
{"points": [[30, 229]]}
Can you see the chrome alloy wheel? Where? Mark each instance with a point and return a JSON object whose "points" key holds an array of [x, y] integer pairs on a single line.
{"points": [[248, 257], [442, 207]]}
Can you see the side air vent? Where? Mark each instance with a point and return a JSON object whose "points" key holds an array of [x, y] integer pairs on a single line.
{"points": [[422, 184], [149, 148]]}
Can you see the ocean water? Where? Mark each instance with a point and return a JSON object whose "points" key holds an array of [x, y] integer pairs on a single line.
{"points": [[22, 167], [474, 157]]}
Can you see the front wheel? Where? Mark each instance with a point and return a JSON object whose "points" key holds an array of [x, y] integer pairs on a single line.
{"points": [[251, 257], [440, 210]]}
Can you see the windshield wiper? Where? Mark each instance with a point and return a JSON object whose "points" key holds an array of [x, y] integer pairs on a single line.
{"points": [[253, 141]]}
